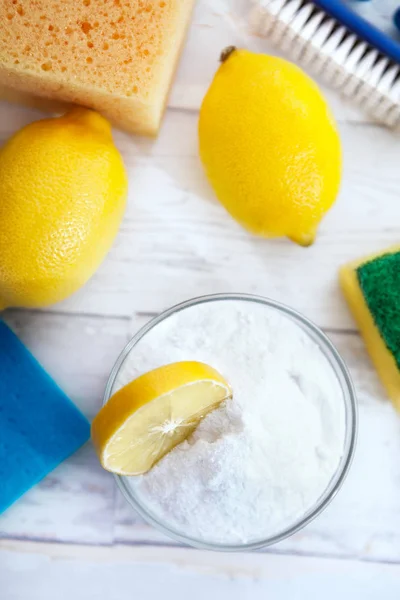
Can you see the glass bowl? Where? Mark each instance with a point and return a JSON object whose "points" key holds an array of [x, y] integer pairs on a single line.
{"points": [[349, 400]]}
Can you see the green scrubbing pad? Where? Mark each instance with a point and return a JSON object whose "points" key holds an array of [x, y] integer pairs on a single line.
{"points": [[379, 280], [371, 286]]}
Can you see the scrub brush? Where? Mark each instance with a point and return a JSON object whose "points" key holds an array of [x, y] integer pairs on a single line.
{"points": [[335, 43]]}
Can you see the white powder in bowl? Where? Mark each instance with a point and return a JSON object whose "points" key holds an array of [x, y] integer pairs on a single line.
{"points": [[257, 464]]}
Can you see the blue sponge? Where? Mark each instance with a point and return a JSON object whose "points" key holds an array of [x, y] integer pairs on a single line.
{"points": [[39, 425]]}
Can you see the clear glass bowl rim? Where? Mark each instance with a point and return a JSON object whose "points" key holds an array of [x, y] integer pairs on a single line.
{"points": [[349, 398]]}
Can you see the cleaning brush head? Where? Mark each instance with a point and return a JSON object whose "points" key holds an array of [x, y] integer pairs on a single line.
{"points": [[331, 50]]}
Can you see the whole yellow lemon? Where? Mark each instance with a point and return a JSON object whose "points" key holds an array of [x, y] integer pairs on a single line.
{"points": [[269, 145], [63, 188]]}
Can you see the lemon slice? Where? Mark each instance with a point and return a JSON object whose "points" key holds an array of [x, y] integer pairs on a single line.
{"points": [[151, 415]]}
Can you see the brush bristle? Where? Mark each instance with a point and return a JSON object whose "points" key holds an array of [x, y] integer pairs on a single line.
{"points": [[328, 49]]}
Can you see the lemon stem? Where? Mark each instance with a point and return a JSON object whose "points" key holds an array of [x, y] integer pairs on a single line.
{"points": [[226, 52], [304, 240]]}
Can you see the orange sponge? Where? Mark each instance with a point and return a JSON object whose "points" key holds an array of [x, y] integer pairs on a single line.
{"points": [[116, 56]]}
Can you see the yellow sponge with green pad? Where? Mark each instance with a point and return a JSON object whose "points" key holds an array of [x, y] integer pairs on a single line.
{"points": [[371, 286]]}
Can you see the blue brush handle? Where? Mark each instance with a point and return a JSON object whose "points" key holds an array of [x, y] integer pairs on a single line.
{"points": [[361, 27]]}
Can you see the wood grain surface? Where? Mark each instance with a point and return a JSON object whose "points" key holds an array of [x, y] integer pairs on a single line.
{"points": [[73, 536]]}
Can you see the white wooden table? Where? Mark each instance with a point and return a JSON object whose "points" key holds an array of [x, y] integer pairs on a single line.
{"points": [[73, 536]]}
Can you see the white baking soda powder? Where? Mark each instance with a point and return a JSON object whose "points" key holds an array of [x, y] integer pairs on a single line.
{"points": [[258, 463]]}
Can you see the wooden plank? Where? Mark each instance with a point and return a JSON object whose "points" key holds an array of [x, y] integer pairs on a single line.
{"points": [[37, 570], [79, 502], [177, 242]]}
